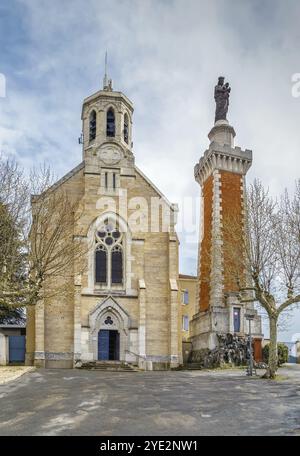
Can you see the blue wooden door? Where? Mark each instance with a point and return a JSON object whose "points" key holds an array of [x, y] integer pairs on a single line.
{"points": [[103, 344], [114, 345], [236, 319], [16, 349], [118, 346]]}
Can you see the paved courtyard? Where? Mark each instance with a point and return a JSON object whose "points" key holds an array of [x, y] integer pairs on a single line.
{"points": [[77, 402]]}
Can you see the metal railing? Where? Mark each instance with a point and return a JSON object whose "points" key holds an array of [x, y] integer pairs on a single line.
{"points": [[135, 354]]}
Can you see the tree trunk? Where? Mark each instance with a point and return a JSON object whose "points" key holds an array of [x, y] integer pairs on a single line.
{"points": [[273, 355]]}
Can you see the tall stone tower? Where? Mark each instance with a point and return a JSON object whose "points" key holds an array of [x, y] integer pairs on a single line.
{"points": [[221, 175], [107, 134]]}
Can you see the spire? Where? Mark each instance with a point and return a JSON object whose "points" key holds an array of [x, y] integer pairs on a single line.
{"points": [[107, 83]]}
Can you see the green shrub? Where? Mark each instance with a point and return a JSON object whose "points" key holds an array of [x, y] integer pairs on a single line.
{"points": [[282, 350]]}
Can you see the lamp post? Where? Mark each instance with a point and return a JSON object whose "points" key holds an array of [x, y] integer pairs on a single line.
{"points": [[250, 317]]}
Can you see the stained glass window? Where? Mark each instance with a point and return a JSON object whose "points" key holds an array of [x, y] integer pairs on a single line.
{"points": [[101, 266], [109, 259]]}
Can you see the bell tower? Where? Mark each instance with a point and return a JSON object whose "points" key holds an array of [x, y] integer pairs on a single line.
{"points": [[221, 173], [107, 129]]}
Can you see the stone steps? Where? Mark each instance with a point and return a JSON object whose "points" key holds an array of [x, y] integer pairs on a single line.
{"points": [[188, 366], [193, 366], [110, 366]]}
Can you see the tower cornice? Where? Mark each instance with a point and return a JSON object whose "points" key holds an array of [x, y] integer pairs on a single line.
{"points": [[223, 158], [108, 95]]}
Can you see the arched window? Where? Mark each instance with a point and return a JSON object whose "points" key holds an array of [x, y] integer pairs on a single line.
{"points": [[109, 255], [126, 128], [93, 125], [110, 123], [101, 265], [116, 265]]}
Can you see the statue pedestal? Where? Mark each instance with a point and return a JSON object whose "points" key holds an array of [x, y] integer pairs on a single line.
{"points": [[222, 133], [221, 174]]}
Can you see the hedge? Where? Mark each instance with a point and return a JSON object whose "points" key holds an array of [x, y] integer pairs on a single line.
{"points": [[282, 350]]}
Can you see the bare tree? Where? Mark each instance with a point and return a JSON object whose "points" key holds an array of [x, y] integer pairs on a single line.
{"points": [[13, 226], [49, 245], [268, 270], [56, 250]]}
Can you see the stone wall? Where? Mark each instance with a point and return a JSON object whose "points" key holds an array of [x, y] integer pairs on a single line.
{"points": [[205, 247], [153, 256], [231, 350], [232, 208]]}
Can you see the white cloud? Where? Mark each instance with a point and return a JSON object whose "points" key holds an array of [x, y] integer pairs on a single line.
{"points": [[165, 56]]}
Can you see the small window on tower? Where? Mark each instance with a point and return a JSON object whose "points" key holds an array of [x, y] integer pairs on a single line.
{"points": [[185, 297], [110, 123], [126, 128], [185, 322], [93, 125], [236, 319]]}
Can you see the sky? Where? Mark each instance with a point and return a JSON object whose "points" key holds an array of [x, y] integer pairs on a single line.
{"points": [[165, 55]]}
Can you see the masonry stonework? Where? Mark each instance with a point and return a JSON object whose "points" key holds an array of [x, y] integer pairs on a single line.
{"points": [[205, 265], [232, 206]]}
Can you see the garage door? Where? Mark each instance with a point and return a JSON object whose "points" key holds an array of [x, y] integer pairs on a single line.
{"points": [[16, 349]]}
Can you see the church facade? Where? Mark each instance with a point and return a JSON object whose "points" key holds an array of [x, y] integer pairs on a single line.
{"points": [[126, 304]]}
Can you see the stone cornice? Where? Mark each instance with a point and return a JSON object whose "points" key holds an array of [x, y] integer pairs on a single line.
{"points": [[109, 96], [223, 158]]}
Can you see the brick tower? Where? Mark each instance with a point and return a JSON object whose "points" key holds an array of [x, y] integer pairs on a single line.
{"points": [[221, 174]]}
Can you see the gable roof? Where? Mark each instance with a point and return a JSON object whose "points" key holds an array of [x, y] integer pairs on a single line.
{"points": [[173, 207]]}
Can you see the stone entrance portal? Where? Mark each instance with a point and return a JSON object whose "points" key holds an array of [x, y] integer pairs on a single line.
{"points": [[108, 345], [109, 333]]}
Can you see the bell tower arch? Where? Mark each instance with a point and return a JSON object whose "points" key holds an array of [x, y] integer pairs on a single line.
{"points": [[107, 123]]}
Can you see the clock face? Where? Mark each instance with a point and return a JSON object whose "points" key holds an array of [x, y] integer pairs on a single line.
{"points": [[110, 155]]}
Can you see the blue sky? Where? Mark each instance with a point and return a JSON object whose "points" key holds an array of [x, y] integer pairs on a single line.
{"points": [[165, 56]]}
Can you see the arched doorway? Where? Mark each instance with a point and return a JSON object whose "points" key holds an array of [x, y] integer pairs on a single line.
{"points": [[109, 331], [108, 345]]}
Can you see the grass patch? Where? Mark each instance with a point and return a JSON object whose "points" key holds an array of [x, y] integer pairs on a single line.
{"points": [[280, 378]]}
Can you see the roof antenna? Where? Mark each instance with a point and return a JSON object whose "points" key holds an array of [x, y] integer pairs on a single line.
{"points": [[107, 83]]}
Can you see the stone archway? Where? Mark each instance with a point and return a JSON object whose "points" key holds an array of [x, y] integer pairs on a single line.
{"points": [[109, 315]]}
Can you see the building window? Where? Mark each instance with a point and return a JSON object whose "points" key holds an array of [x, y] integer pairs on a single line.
{"points": [[109, 259], [236, 319], [93, 125], [109, 180], [185, 322], [185, 297], [110, 123], [116, 265], [101, 264], [126, 128]]}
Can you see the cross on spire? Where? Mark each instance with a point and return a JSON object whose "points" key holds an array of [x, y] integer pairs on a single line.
{"points": [[107, 83]]}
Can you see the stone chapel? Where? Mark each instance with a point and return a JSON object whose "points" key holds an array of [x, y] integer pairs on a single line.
{"points": [[125, 306], [131, 305]]}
